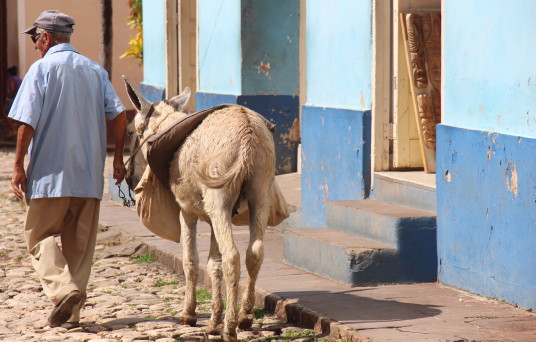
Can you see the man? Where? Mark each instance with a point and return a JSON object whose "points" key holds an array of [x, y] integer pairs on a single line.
{"points": [[61, 105]]}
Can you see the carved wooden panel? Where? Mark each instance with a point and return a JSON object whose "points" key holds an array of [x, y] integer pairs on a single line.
{"points": [[431, 28], [423, 55], [416, 50], [427, 119]]}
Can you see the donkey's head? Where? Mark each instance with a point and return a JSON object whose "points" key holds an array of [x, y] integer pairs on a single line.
{"points": [[151, 118]]}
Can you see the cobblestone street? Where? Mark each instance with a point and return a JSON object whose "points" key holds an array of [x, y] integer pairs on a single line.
{"points": [[131, 297]]}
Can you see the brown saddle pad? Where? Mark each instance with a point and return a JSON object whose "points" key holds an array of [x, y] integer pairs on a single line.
{"points": [[162, 146]]}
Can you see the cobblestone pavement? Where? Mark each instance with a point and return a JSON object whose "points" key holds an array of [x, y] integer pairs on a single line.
{"points": [[131, 297]]}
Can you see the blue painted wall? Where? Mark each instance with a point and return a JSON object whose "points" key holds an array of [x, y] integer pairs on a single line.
{"points": [[335, 159], [280, 110], [490, 69], [154, 44], [219, 51], [249, 55], [270, 47], [485, 150], [486, 187], [339, 53], [335, 122]]}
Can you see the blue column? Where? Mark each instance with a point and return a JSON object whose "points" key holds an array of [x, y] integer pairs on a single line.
{"points": [[249, 55]]}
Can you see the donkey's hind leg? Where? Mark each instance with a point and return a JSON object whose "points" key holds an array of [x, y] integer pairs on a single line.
{"points": [[214, 269], [259, 206], [218, 205], [190, 263]]}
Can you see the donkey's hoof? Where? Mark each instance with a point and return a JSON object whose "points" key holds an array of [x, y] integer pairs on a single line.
{"points": [[229, 337], [187, 319], [213, 328], [245, 320]]}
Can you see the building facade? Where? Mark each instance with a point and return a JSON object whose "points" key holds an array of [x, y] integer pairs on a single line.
{"points": [[417, 121]]}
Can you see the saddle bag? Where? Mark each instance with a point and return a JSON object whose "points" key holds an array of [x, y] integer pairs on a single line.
{"points": [[157, 208], [278, 209]]}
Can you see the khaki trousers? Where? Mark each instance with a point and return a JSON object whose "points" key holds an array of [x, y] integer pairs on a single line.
{"points": [[64, 268]]}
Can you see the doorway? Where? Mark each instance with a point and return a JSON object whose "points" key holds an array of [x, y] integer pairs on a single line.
{"points": [[399, 142]]}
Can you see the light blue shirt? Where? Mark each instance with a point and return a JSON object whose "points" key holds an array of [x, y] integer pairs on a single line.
{"points": [[66, 97]]}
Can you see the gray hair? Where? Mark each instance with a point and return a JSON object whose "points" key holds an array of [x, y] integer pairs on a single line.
{"points": [[58, 37]]}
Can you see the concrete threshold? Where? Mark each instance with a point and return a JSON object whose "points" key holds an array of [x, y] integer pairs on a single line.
{"points": [[401, 312]]}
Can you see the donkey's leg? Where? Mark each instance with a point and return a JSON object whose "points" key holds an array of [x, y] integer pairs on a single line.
{"points": [[215, 272], [190, 263], [219, 209], [259, 206]]}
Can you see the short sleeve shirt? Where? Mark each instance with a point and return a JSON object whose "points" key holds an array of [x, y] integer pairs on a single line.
{"points": [[66, 98]]}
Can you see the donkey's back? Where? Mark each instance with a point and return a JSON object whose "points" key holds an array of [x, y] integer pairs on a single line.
{"points": [[230, 153]]}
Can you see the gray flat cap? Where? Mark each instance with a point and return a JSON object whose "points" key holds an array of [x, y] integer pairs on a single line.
{"points": [[52, 20]]}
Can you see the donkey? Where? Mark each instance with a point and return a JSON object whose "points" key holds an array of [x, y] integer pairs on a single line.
{"points": [[229, 157]]}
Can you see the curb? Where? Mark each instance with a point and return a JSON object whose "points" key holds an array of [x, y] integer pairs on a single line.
{"points": [[286, 310]]}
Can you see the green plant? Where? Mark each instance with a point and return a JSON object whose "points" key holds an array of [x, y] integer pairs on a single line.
{"points": [[135, 21], [295, 334], [258, 313], [203, 296], [145, 258], [160, 283]]}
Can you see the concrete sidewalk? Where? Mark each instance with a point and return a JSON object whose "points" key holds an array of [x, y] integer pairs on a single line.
{"points": [[411, 312]]}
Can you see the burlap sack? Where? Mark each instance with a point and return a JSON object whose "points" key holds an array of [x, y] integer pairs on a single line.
{"points": [[157, 208], [278, 209]]}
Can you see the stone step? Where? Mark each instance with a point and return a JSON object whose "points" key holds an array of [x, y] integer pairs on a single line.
{"points": [[409, 189], [382, 222], [356, 261]]}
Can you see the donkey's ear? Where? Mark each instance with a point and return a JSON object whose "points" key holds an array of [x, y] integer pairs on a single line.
{"points": [[141, 104], [179, 101]]}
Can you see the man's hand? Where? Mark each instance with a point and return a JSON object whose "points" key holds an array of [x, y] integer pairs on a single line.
{"points": [[18, 183], [119, 128], [119, 170]]}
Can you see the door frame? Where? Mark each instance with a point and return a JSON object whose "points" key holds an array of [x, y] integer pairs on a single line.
{"points": [[381, 85], [179, 45]]}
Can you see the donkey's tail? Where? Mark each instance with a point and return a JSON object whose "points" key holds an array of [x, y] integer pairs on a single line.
{"points": [[220, 169]]}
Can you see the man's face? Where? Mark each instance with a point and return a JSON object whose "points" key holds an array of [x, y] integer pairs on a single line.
{"points": [[43, 41]]}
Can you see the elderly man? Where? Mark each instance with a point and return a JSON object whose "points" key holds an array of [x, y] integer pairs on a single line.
{"points": [[62, 106]]}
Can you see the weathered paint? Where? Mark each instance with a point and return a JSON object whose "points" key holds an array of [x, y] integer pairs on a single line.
{"points": [[328, 133], [154, 44], [489, 66], [248, 55], [486, 185], [339, 53], [219, 50], [270, 47], [485, 150], [280, 110]]}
